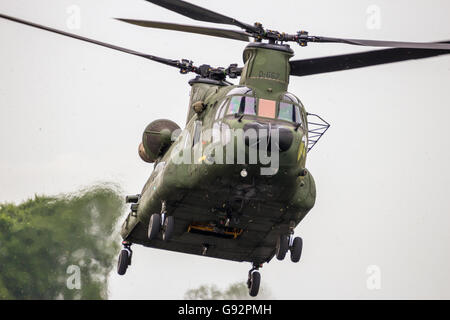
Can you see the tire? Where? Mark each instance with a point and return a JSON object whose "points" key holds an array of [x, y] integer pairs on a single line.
{"points": [[282, 247], [123, 262], [154, 226], [296, 249], [255, 280], [168, 228]]}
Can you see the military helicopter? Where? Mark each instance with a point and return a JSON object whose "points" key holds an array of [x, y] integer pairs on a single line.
{"points": [[233, 184]]}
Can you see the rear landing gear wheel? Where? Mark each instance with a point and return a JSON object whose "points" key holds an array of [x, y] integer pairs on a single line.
{"points": [[168, 228], [254, 282], [154, 226], [282, 247], [296, 249]]}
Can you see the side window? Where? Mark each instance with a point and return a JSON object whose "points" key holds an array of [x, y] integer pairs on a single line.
{"points": [[235, 103], [298, 115], [221, 109]]}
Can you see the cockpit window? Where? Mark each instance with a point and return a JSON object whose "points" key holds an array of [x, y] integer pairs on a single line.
{"points": [[240, 90], [298, 115], [221, 110], [235, 103], [286, 111], [289, 112], [266, 108], [242, 105]]}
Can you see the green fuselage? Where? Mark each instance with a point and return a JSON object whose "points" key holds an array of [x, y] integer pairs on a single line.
{"points": [[209, 176]]}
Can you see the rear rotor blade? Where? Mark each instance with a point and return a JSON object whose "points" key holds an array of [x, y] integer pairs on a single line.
{"points": [[313, 66], [173, 63], [201, 14], [215, 32]]}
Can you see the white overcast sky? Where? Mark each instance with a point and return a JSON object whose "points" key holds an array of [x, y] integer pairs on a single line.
{"points": [[73, 113]]}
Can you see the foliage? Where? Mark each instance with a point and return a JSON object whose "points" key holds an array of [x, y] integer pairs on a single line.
{"points": [[42, 239], [235, 291]]}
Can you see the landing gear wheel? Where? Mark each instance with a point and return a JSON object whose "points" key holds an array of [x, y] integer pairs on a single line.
{"points": [[254, 281], [154, 226], [168, 228], [296, 249], [124, 261], [282, 247]]}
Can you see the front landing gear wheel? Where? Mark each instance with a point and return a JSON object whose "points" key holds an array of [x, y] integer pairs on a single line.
{"points": [[282, 247], [168, 228], [154, 226], [124, 261], [296, 249], [254, 282]]}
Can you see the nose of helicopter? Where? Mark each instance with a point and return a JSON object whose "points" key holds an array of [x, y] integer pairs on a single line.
{"points": [[268, 135]]}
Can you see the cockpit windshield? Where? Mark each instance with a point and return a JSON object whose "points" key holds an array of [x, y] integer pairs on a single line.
{"points": [[241, 101]]}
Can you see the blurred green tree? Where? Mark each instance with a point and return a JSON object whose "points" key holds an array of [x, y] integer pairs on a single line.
{"points": [[60, 247], [235, 291]]}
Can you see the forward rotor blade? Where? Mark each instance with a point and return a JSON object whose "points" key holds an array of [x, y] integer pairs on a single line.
{"points": [[215, 32], [382, 43], [198, 13], [313, 66], [173, 63]]}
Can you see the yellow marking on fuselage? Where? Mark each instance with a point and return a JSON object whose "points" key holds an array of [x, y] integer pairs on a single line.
{"points": [[202, 158], [301, 150]]}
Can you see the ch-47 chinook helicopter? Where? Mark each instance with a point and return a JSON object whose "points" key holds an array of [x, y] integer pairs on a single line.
{"points": [[233, 184]]}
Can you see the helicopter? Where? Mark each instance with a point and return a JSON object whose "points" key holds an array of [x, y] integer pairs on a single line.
{"points": [[200, 203]]}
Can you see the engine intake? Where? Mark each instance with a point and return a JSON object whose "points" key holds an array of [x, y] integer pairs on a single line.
{"points": [[156, 139]]}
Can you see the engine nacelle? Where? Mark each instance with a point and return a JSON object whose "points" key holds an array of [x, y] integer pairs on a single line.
{"points": [[156, 139]]}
